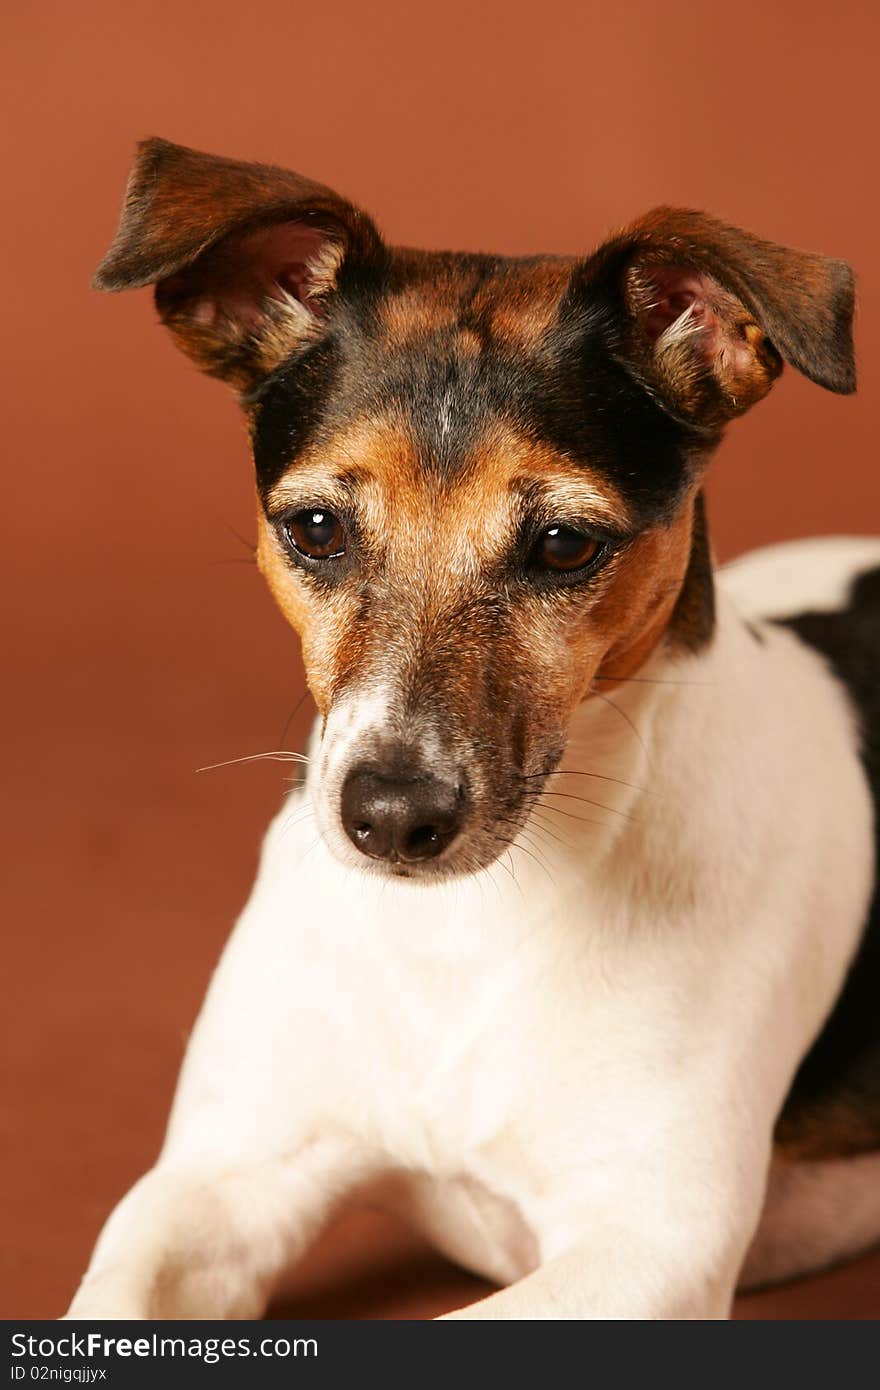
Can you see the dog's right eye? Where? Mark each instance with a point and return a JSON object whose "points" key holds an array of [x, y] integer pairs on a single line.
{"points": [[316, 533]]}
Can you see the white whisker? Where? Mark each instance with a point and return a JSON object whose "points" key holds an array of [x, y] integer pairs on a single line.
{"points": [[281, 755]]}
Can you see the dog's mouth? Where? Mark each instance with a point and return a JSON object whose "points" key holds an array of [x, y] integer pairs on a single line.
{"points": [[403, 815]]}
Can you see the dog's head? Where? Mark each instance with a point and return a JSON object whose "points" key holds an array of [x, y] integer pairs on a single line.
{"points": [[479, 477]]}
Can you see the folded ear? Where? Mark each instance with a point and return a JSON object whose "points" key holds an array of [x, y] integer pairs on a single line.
{"points": [[707, 313], [245, 257]]}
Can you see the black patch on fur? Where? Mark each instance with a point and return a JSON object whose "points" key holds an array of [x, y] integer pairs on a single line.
{"points": [[693, 617], [834, 1103], [286, 409], [570, 391]]}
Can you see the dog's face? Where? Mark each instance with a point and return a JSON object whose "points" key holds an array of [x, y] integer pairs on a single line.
{"points": [[457, 569], [478, 477]]}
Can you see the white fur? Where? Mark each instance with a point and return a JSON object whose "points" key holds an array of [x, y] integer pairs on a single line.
{"points": [[565, 1069], [798, 576]]}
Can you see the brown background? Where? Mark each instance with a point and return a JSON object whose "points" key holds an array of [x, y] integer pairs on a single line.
{"points": [[139, 642]]}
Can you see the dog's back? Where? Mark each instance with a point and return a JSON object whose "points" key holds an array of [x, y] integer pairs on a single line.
{"points": [[827, 591]]}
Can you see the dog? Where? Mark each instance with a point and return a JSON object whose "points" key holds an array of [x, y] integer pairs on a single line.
{"points": [[567, 947]]}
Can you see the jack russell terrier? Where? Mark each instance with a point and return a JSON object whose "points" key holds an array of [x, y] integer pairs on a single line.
{"points": [[567, 947]]}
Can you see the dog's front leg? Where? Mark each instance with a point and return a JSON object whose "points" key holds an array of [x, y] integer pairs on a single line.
{"points": [[667, 1242], [608, 1278], [592, 1282], [207, 1239], [256, 1156]]}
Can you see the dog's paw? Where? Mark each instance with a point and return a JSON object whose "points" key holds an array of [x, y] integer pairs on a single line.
{"points": [[104, 1312], [103, 1300]]}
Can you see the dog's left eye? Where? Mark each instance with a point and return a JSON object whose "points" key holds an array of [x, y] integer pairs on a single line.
{"points": [[316, 533], [562, 549]]}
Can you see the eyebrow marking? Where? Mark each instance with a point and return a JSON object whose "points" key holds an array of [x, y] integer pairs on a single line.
{"points": [[376, 459], [369, 449], [319, 481], [544, 479], [575, 499]]}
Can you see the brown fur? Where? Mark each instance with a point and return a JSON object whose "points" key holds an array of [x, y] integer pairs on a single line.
{"points": [[801, 302], [835, 1128], [515, 309], [428, 548], [197, 226], [521, 312], [410, 314], [448, 407], [637, 612], [716, 365]]}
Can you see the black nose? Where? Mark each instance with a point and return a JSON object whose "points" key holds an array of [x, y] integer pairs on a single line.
{"points": [[400, 818]]}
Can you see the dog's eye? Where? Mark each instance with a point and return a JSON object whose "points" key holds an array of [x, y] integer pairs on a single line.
{"points": [[318, 534], [560, 548]]}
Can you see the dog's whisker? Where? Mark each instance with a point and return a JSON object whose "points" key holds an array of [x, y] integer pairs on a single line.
{"points": [[296, 818], [311, 849], [597, 694], [538, 827], [498, 886], [650, 680], [509, 868], [501, 864], [573, 772], [599, 805], [546, 829], [541, 865], [293, 713], [280, 755], [250, 546], [519, 829], [530, 840], [571, 815], [515, 844], [293, 821]]}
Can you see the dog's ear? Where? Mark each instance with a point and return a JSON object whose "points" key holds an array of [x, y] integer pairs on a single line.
{"points": [[707, 313], [245, 257]]}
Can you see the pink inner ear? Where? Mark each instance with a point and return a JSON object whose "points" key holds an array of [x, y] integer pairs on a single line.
{"points": [[280, 257], [707, 321], [267, 264], [672, 290]]}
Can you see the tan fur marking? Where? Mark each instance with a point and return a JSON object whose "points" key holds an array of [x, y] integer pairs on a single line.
{"points": [[635, 612], [518, 308], [317, 474], [528, 305], [513, 460], [412, 313], [330, 636], [429, 544], [612, 629]]}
